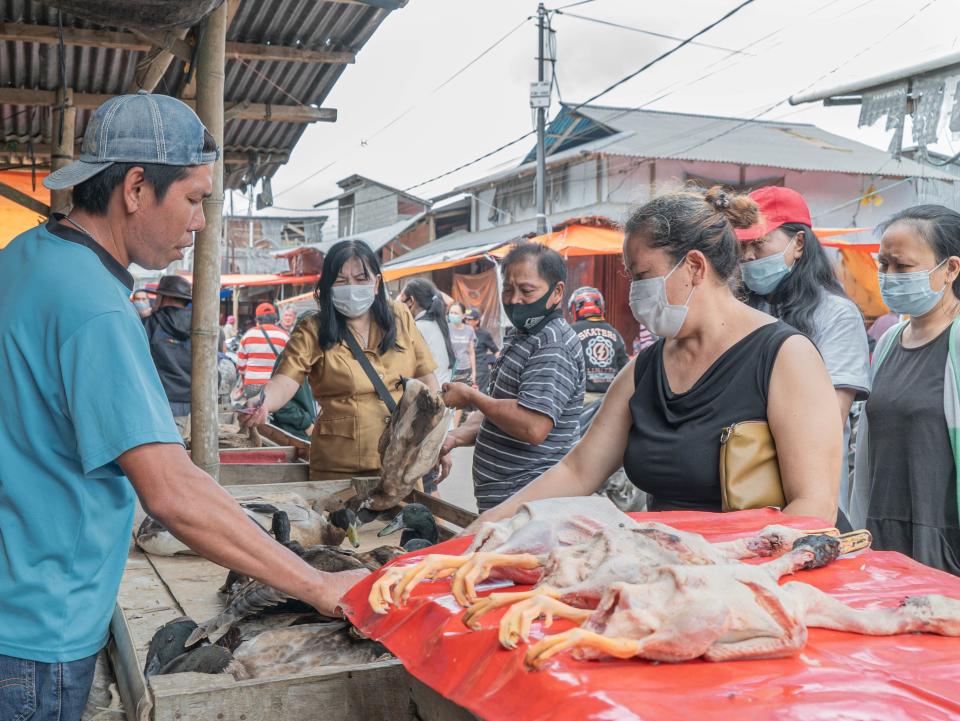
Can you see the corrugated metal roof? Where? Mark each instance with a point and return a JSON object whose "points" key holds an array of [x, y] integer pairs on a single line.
{"points": [[310, 24], [375, 238], [492, 237], [714, 139]]}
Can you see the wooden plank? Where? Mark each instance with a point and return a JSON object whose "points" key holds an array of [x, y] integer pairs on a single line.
{"points": [[279, 53], [41, 151], [21, 198], [286, 439], [48, 35], [431, 706], [252, 111], [442, 509], [149, 72], [128, 670], [377, 691], [171, 43], [193, 581], [235, 474]]}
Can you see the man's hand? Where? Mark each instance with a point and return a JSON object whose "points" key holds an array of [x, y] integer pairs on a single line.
{"points": [[331, 587], [445, 463], [457, 395]]}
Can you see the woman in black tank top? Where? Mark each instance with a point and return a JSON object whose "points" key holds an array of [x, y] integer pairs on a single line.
{"points": [[719, 362], [673, 450]]}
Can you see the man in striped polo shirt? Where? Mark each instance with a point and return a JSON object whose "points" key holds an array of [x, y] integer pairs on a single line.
{"points": [[259, 349], [532, 416]]}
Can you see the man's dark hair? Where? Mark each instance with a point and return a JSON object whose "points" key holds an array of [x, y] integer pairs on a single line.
{"points": [[93, 195], [267, 319], [550, 263]]}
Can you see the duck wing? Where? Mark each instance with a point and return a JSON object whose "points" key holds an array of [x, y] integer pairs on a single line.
{"points": [[254, 597]]}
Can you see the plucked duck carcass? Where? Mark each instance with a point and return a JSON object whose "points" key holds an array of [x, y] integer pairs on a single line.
{"points": [[728, 613], [409, 445]]}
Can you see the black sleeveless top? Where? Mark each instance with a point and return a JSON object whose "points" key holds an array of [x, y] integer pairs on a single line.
{"points": [[673, 450]]}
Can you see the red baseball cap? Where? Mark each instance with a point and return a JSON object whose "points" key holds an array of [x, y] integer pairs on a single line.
{"points": [[777, 206], [266, 309]]}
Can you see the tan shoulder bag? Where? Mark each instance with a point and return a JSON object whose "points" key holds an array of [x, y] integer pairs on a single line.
{"points": [[749, 471]]}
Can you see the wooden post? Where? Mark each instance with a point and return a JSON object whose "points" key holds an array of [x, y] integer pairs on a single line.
{"points": [[206, 258], [61, 151]]}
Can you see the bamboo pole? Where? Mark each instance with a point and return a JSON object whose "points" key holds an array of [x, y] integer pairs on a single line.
{"points": [[61, 152], [206, 258]]}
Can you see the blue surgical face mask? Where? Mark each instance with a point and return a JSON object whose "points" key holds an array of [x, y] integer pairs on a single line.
{"points": [[910, 293], [763, 275]]}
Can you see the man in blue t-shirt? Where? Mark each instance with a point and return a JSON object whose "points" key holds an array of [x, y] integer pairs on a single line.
{"points": [[87, 424]]}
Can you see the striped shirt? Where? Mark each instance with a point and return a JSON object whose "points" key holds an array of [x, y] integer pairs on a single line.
{"points": [[544, 372], [256, 358]]}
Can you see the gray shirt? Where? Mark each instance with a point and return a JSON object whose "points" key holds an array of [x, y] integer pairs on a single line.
{"points": [[912, 507], [461, 338], [544, 372]]}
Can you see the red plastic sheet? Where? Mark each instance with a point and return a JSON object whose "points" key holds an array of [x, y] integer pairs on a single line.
{"points": [[838, 676]]}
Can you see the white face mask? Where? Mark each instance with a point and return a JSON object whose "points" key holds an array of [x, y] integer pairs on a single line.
{"points": [[649, 305], [353, 300]]}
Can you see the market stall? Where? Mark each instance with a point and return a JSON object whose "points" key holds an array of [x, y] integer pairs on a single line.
{"points": [[836, 675]]}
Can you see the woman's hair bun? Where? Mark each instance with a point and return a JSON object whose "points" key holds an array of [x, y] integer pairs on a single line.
{"points": [[740, 210]]}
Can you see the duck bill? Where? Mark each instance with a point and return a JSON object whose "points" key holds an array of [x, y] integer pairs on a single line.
{"points": [[353, 534], [395, 525]]}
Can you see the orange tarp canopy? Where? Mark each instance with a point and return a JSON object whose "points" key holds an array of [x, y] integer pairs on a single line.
{"points": [[230, 280], [395, 273], [14, 218], [577, 240]]}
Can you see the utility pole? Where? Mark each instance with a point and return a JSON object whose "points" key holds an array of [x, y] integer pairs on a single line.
{"points": [[540, 101]]}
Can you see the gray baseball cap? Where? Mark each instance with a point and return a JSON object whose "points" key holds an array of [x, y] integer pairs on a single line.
{"points": [[140, 128]]}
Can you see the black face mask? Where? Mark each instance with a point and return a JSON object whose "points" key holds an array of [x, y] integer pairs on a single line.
{"points": [[530, 317]]}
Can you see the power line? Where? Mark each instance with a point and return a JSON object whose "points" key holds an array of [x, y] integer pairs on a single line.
{"points": [[631, 28], [668, 53], [406, 112]]}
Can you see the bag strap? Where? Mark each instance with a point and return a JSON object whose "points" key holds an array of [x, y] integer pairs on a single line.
{"points": [[272, 346], [376, 380]]}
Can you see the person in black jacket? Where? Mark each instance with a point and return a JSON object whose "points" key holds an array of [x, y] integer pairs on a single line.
{"points": [[603, 350], [168, 331]]}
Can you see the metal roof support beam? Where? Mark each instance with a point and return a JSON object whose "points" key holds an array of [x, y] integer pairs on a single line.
{"points": [[20, 198], [244, 111], [171, 42], [205, 327]]}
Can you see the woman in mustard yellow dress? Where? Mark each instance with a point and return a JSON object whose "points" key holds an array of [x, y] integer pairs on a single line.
{"points": [[351, 300]]}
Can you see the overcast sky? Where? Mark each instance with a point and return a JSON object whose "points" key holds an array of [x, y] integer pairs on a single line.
{"points": [[787, 47]]}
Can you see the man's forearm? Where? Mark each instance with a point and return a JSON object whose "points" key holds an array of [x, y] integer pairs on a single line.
{"points": [[207, 519], [513, 419], [466, 434]]}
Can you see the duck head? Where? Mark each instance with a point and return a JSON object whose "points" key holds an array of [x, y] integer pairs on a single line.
{"points": [[346, 520], [416, 521], [168, 643]]}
